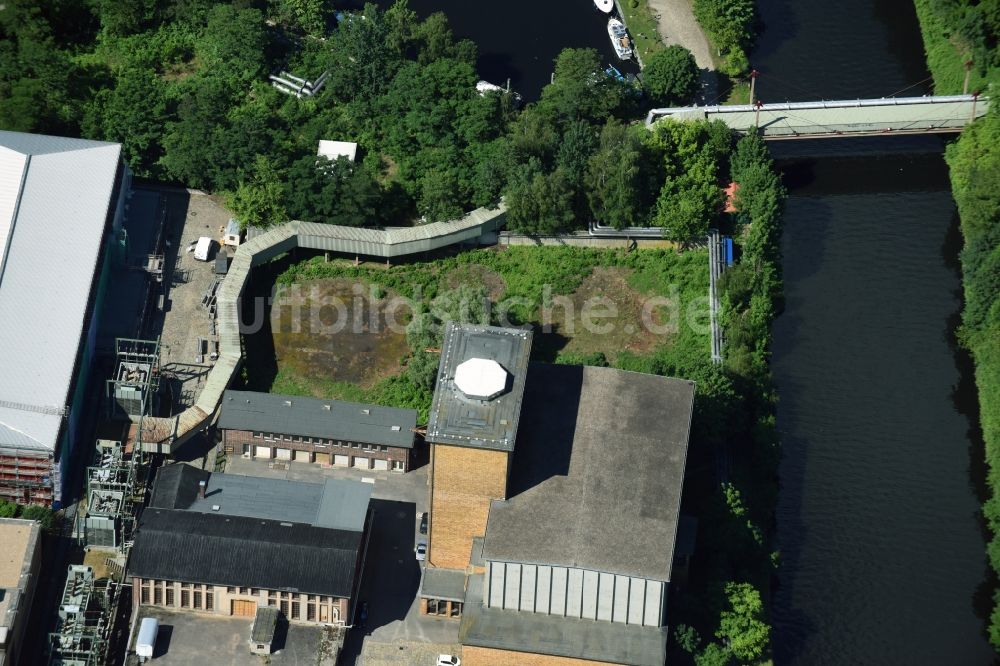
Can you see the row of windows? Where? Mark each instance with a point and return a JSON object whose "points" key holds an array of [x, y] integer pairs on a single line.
{"points": [[163, 594], [320, 441], [310, 612]]}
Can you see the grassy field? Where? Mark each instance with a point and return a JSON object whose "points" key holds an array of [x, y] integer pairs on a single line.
{"points": [[585, 306], [642, 26]]}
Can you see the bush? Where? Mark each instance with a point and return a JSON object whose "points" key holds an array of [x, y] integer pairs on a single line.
{"points": [[8, 509], [40, 513]]}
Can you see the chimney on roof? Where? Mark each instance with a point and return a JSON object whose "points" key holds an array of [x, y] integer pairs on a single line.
{"points": [[201, 489]]}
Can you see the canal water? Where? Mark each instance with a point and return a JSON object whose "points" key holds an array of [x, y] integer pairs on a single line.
{"points": [[521, 42], [882, 548]]}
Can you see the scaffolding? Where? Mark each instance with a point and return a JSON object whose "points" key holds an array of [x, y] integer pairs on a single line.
{"points": [[26, 475], [133, 390], [82, 634]]}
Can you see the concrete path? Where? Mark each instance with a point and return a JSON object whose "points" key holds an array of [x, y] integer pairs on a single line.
{"points": [[677, 25]]}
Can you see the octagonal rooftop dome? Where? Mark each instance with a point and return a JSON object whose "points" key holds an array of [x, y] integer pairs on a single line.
{"points": [[480, 378]]}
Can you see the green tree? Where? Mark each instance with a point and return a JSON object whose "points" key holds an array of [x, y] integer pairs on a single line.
{"points": [[671, 76], [125, 18], [580, 90], [40, 513], [132, 113], [713, 655], [309, 15], [261, 201], [539, 203], [332, 191], [232, 45], [614, 180], [742, 625], [8, 509]]}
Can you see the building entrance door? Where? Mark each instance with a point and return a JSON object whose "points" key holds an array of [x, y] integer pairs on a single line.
{"points": [[244, 608]]}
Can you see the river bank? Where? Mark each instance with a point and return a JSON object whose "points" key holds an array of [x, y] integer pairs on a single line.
{"points": [[974, 162]]}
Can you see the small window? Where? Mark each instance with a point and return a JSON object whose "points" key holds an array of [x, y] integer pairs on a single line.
{"points": [[209, 600], [197, 599], [170, 595], [255, 591], [185, 599], [271, 594], [157, 595], [231, 590], [310, 612], [296, 608], [284, 607], [272, 602], [432, 606], [144, 595], [258, 435]]}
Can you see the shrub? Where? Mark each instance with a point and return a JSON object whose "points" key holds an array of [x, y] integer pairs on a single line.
{"points": [[671, 76]]}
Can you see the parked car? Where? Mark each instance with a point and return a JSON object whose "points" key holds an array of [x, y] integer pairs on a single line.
{"points": [[421, 551], [448, 660], [423, 523]]}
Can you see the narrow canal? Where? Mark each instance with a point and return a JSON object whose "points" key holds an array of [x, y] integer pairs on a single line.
{"points": [[882, 549]]}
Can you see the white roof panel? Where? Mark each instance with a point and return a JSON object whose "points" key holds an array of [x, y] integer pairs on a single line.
{"points": [[52, 253], [334, 149], [12, 165]]}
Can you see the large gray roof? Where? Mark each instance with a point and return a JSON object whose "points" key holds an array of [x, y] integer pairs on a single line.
{"points": [[597, 472], [55, 196], [456, 418], [334, 504], [310, 417]]}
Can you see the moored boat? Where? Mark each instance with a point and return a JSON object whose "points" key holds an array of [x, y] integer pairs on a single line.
{"points": [[605, 5], [619, 38]]}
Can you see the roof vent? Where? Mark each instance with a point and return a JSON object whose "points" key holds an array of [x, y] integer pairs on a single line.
{"points": [[366, 411], [288, 403], [395, 428], [326, 407], [286, 524], [481, 378], [216, 507]]}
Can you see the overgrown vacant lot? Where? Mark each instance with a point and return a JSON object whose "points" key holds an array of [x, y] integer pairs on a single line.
{"points": [[371, 332]]}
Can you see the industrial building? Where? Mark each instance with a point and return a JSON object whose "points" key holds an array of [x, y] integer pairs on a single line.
{"points": [[555, 498], [226, 544], [20, 558], [329, 432], [62, 203]]}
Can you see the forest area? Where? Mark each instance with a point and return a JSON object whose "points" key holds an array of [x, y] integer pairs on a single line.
{"points": [[183, 85]]}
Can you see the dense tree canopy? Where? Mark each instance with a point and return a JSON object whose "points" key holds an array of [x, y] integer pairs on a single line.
{"points": [[671, 76]]}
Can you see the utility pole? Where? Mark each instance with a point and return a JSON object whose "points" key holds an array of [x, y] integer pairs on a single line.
{"points": [[753, 85], [968, 71]]}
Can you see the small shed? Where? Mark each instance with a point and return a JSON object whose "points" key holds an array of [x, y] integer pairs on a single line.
{"points": [[265, 625], [334, 149], [232, 233]]}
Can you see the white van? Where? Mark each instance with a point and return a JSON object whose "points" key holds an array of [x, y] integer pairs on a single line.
{"points": [[203, 248], [146, 641]]}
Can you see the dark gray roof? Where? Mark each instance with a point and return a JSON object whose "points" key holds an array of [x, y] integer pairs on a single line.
{"points": [[264, 624], [597, 472], [171, 544], [310, 417], [611, 642], [487, 424], [446, 584], [336, 503]]}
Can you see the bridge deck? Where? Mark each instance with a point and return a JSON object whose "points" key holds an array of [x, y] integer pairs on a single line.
{"points": [[908, 115]]}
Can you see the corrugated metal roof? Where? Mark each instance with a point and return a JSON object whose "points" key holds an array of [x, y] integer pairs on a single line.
{"points": [[311, 417], [171, 544], [335, 504], [54, 244]]}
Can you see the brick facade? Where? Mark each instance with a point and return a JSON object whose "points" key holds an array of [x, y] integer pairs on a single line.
{"points": [[464, 482], [479, 656], [320, 451], [218, 600]]}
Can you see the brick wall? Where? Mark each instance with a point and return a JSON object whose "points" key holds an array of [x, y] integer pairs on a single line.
{"points": [[234, 440], [478, 656], [464, 480]]}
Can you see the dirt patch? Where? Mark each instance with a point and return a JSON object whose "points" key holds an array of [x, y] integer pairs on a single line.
{"points": [[606, 314], [476, 275], [338, 330]]}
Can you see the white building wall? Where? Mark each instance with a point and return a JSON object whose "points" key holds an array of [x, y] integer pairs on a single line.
{"points": [[573, 592]]}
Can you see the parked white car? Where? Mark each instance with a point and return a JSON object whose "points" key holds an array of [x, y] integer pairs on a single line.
{"points": [[448, 660], [421, 551]]}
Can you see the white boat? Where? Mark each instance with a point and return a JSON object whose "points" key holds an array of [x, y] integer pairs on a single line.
{"points": [[605, 5], [619, 38], [484, 87]]}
